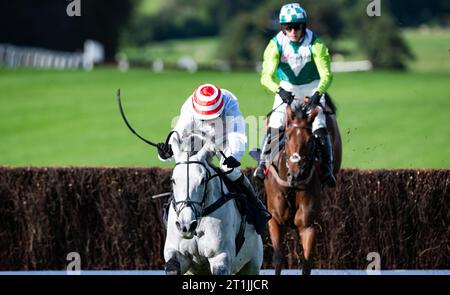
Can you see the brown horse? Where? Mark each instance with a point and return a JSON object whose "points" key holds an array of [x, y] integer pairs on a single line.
{"points": [[292, 185]]}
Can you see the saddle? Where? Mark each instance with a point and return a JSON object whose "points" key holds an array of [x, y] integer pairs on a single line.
{"points": [[239, 196]]}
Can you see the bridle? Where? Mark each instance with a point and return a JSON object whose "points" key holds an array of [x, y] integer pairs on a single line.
{"points": [[308, 164], [178, 206]]}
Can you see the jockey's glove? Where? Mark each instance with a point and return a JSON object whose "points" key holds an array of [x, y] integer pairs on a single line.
{"points": [[286, 96], [314, 100], [164, 150], [231, 162]]}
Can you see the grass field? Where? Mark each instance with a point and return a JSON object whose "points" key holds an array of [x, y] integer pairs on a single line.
{"points": [[391, 120], [431, 48], [202, 50]]}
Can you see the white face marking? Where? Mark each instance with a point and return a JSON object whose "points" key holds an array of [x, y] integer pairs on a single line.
{"points": [[295, 158]]}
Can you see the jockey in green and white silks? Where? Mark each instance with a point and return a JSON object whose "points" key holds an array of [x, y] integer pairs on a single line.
{"points": [[296, 64]]}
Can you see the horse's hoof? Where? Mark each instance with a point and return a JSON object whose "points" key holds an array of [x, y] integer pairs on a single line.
{"points": [[307, 266], [172, 267], [172, 272]]}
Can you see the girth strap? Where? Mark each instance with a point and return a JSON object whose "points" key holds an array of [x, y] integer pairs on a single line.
{"points": [[217, 204]]}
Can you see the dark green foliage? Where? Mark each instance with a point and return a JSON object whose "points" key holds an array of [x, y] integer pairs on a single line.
{"points": [[379, 37], [417, 12], [46, 24], [185, 19]]}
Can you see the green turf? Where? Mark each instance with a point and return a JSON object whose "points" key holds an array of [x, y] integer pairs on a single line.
{"points": [[431, 48], [202, 50], [389, 120]]}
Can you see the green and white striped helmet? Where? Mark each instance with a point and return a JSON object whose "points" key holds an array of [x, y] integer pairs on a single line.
{"points": [[292, 13]]}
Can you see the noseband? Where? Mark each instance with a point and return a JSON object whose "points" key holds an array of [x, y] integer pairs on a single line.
{"points": [[189, 203]]}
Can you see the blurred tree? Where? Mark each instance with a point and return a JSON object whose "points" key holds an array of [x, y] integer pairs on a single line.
{"points": [[248, 33], [104, 21], [186, 19], [46, 24], [417, 12], [325, 17], [379, 37]]}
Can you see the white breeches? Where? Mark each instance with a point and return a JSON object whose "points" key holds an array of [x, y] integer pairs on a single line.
{"points": [[278, 117]]}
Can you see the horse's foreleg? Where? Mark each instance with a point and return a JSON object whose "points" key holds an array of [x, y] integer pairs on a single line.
{"points": [[308, 237], [276, 233], [176, 263], [220, 264], [304, 220], [172, 267]]}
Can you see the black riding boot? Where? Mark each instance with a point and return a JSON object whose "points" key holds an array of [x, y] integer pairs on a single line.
{"points": [[326, 152], [260, 171], [261, 214]]}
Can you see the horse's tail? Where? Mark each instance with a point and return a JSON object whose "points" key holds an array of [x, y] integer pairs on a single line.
{"points": [[330, 103]]}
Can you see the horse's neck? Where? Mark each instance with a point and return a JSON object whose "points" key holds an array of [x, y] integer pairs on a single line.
{"points": [[214, 187], [280, 161]]}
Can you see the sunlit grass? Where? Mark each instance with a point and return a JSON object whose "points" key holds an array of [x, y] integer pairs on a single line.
{"points": [[57, 118]]}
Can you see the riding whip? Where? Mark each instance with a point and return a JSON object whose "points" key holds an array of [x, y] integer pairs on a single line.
{"points": [[128, 124], [270, 113]]}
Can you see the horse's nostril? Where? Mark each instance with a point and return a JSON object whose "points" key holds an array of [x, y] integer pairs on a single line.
{"points": [[193, 226]]}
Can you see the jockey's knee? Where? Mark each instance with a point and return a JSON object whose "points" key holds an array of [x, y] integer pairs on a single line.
{"points": [[278, 119], [319, 121], [234, 174]]}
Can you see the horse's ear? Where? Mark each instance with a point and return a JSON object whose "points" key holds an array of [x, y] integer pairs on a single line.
{"points": [[289, 112], [290, 115], [207, 147], [175, 145]]}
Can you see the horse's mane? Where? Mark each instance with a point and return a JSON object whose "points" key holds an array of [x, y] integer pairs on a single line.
{"points": [[192, 147]]}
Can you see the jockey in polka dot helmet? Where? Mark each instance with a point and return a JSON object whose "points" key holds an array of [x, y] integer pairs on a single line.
{"points": [[214, 110]]}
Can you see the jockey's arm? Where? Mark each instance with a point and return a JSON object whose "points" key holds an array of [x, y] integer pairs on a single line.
{"points": [[184, 121], [236, 137], [269, 67], [322, 60]]}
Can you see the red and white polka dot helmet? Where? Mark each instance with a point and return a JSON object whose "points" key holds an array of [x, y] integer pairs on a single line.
{"points": [[207, 102]]}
